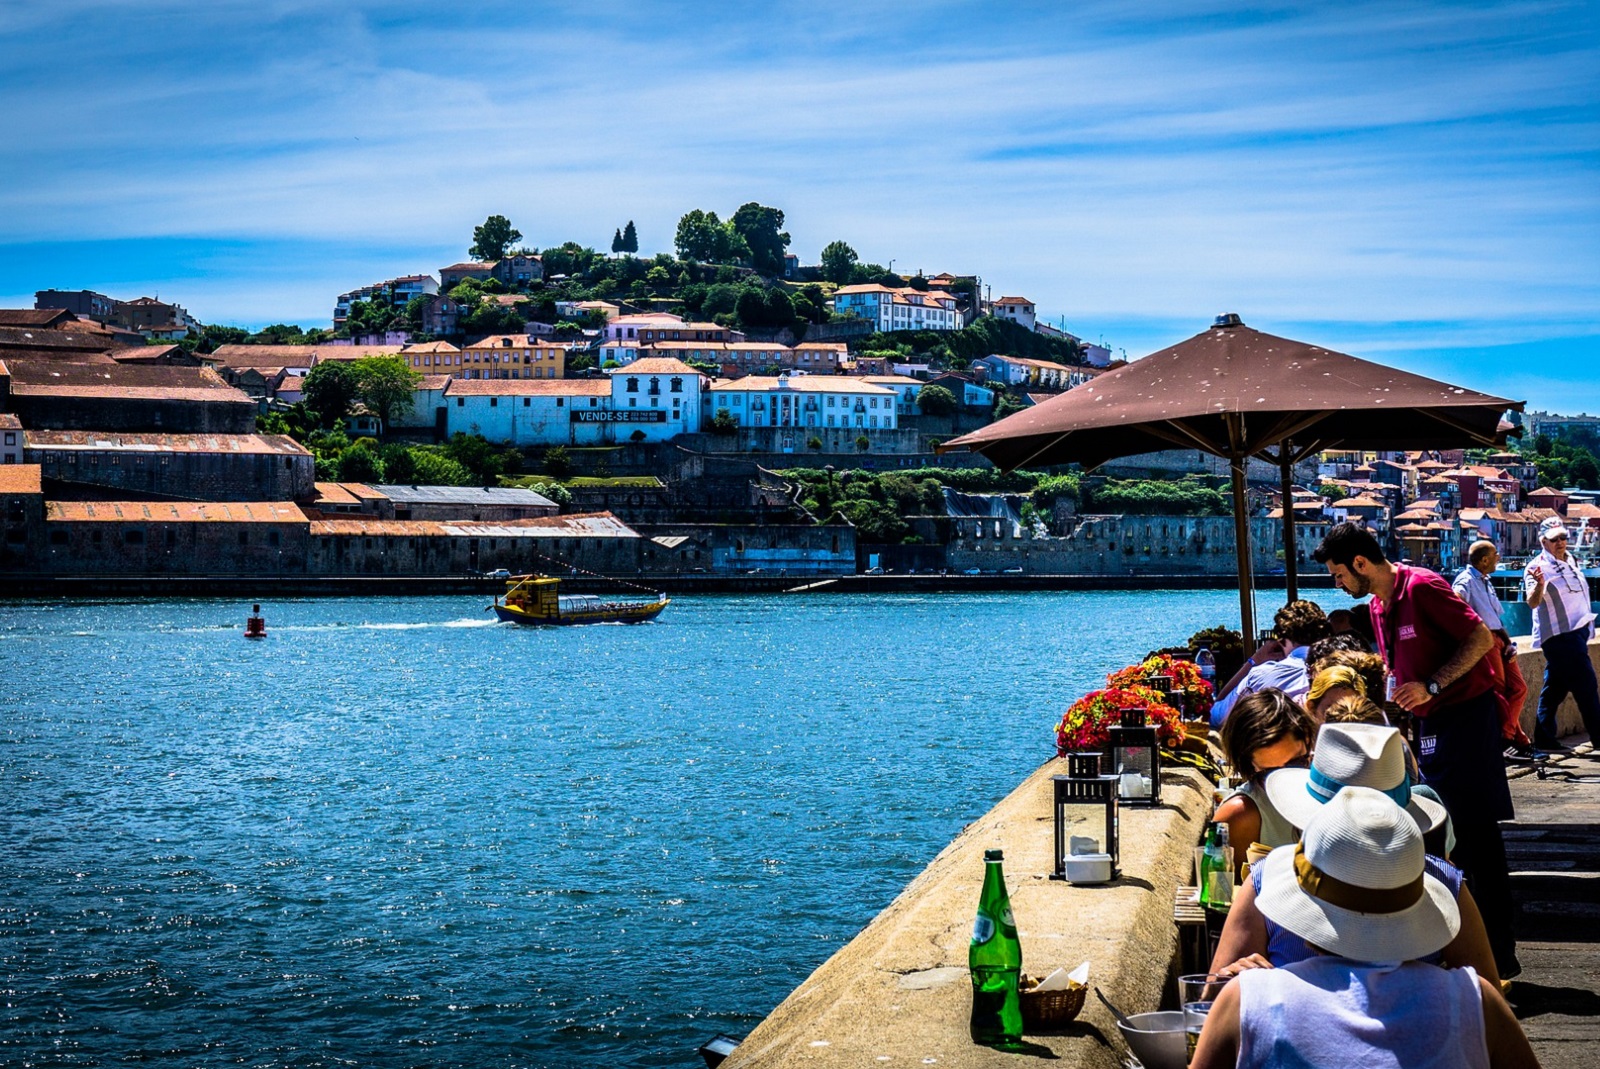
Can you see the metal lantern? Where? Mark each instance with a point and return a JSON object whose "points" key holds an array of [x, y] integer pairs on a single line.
{"points": [[1171, 693], [1136, 759], [1083, 793]]}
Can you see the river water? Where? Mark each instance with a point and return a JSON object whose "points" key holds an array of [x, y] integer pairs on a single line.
{"points": [[394, 833]]}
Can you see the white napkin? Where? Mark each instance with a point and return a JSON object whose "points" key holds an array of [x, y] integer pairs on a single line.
{"points": [[1061, 980]]}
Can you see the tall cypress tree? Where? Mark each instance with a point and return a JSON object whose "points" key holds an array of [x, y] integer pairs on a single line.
{"points": [[616, 242], [630, 238]]}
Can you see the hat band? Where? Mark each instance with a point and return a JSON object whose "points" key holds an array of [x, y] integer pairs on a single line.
{"points": [[1323, 788], [1336, 892]]}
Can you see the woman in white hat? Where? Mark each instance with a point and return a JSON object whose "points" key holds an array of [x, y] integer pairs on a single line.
{"points": [[1364, 755], [1355, 889]]}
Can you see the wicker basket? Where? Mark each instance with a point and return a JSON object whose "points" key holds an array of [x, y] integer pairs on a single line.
{"points": [[1050, 1009]]}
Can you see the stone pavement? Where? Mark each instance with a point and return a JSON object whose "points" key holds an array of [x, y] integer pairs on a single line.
{"points": [[1554, 850]]}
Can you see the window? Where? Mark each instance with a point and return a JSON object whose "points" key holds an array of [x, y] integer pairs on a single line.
{"points": [[494, 402], [633, 385], [527, 402], [461, 402], [244, 538], [58, 538], [677, 387]]}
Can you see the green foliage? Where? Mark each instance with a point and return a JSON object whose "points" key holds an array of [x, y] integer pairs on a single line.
{"points": [[1562, 462], [863, 443], [330, 388], [630, 238], [580, 362], [616, 241], [569, 258], [838, 262], [1330, 491], [486, 462], [762, 230], [1155, 497], [431, 467], [398, 465], [557, 461], [723, 423], [936, 401], [702, 236], [492, 319], [813, 442], [385, 384], [1005, 404], [361, 463], [489, 241], [1052, 488], [658, 276]]}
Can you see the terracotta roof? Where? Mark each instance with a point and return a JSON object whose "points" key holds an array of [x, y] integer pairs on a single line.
{"points": [[584, 524], [333, 494], [655, 365], [102, 441], [433, 382], [891, 380], [1011, 300], [1357, 502], [9, 421], [431, 347], [35, 317], [804, 384], [510, 341], [174, 511], [472, 265], [1545, 491], [143, 353], [528, 388], [292, 355], [150, 381], [54, 338], [16, 357], [20, 479]]}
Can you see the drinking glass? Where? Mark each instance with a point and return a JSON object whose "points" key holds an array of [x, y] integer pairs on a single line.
{"points": [[1195, 994]]}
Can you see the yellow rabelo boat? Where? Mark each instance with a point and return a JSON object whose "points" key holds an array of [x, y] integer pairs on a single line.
{"points": [[533, 599]]}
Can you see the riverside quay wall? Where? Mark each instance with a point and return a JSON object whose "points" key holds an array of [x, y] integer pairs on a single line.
{"points": [[1121, 545]]}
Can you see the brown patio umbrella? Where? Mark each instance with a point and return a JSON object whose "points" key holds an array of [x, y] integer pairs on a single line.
{"points": [[1237, 393]]}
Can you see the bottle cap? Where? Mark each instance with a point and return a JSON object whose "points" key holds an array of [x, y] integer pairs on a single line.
{"points": [[993, 855]]}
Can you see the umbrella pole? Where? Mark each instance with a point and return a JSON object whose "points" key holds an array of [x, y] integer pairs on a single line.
{"points": [[1290, 553], [1241, 538]]}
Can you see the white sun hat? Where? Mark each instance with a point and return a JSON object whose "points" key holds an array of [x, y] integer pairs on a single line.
{"points": [[1351, 755], [1553, 527], [1355, 885]]}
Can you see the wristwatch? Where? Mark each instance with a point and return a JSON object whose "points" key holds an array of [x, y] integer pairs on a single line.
{"points": [[1433, 688]]}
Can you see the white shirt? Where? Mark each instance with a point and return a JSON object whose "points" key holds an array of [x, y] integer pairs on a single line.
{"points": [[1565, 606]]}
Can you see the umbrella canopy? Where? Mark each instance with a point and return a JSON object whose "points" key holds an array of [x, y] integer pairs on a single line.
{"points": [[1237, 393], [1233, 390]]}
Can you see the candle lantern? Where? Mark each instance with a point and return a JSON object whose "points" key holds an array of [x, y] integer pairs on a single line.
{"points": [[1136, 759], [1084, 793], [1171, 693]]}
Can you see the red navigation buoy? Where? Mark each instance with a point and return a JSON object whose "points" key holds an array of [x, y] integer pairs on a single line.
{"points": [[256, 625]]}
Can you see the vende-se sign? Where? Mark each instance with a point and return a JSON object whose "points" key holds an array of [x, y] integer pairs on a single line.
{"points": [[621, 415]]}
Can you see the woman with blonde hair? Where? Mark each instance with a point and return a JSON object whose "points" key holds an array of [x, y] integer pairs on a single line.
{"points": [[1333, 683]]}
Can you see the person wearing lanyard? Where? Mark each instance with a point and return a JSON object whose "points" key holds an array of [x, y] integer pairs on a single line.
{"points": [[1558, 593], [1472, 586], [1435, 648]]}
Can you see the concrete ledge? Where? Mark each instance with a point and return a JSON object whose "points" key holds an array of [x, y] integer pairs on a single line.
{"points": [[1531, 661], [898, 993]]}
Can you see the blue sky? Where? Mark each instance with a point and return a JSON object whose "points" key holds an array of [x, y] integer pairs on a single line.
{"points": [[1414, 183]]}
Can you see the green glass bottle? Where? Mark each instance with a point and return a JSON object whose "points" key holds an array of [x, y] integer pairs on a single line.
{"points": [[995, 958], [1216, 870]]}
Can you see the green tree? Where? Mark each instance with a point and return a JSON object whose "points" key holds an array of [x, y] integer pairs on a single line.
{"points": [[699, 236], [431, 468], [838, 262], [616, 241], [761, 229], [361, 463], [630, 238], [386, 385], [398, 465], [489, 241], [658, 276], [723, 423], [557, 462], [330, 388], [936, 401], [1005, 405]]}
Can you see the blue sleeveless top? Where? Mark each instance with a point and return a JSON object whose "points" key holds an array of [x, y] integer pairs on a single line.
{"points": [[1286, 948]]}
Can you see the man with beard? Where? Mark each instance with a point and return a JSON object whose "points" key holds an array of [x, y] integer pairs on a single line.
{"points": [[1435, 647]]}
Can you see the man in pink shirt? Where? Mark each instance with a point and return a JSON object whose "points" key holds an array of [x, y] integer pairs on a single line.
{"points": [[1435, 648]]}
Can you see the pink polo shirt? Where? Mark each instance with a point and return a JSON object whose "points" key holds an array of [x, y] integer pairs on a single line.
{"points": [[1421, 629]]}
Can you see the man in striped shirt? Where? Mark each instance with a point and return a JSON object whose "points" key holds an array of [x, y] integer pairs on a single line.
{"points": [[1558, 593]]}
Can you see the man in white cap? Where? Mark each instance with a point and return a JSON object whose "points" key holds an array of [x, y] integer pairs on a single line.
{"points": [[1558, 593], [1356, 890]]}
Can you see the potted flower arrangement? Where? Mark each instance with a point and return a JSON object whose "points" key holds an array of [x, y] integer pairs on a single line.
{"points": [[1086, 723], [1185, 676]]}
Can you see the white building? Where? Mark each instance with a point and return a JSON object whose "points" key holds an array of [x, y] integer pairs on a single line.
{"points": [[427, 400], [663, 326], [1019, 310], [403, 289], [655, 398], [899, 309], [804, 401], [906, 387]]}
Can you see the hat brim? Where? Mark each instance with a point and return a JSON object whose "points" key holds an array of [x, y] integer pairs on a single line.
{"points": [[1415, 932], [1554, 532], [1286, 789]]}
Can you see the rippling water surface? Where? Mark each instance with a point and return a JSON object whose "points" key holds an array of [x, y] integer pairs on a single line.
{"points": [[396, 834]]}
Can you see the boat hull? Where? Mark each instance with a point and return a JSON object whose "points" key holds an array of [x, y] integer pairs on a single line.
{"points": [[618, 614]]}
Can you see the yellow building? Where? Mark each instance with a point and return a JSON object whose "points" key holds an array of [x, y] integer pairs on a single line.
{"points": [[512, 356]]}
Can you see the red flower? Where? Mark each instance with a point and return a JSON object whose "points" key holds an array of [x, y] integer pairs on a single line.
{"points": [[1086, 723]]}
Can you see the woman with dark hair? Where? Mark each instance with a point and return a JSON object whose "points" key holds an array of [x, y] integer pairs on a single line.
{"points": [[1266, 731]]}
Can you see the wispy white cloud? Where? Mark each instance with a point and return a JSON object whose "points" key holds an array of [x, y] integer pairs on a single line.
{"points": [[1424, 168]]}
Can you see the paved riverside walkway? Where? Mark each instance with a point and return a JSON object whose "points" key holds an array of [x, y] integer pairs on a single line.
{"points": [[1554, 850]]}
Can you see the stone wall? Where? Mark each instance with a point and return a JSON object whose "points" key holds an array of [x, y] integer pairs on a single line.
{"points": [[1531, 661], [469, 550], [898, 993], [210, 547], [191, 475], [137, 414], [1109, 545], [733, 549]]}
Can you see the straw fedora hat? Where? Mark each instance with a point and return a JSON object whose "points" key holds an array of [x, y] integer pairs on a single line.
{"points": [[1355, 885], [1351, 755]]}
